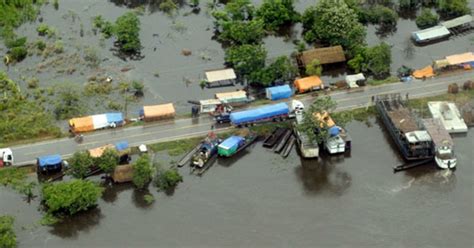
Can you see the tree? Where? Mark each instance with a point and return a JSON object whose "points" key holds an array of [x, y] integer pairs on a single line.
{"points": [[80, 164], [276, 13], [70, 197], [407, 4], [281, 70], [382, 15], [376, 60], [68, 103], [332, 22], [314, 123], [314, 68], [127, 31], [7, 234], [453, 8], [168, 179], [108, 161], [242, 32], [240, 10], [246, 59], [142, 171], [138, 87], [426, 19]]}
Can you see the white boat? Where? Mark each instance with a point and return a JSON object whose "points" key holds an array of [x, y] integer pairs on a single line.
{"points": [[443, 145], [338, 142], [445, 158]]}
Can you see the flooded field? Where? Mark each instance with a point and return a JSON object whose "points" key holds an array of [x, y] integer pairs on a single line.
{"points": [[260, 199], [168, 75]]}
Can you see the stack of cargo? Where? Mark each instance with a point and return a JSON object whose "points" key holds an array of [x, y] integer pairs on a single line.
{"points": [[278, 92], [308, 84], [230, 146], [94, 122], [258, 114], [239, 96], [157, 112], [49, 162]]}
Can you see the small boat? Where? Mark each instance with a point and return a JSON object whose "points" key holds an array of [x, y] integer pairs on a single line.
{"points": [[282, 142], [443, 144], [271, 140], [339, 141], [288, 147], [234, 144], [207, 150]]}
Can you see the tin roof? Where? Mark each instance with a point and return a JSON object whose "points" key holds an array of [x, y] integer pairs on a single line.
{"points": [[430, 33], [220, 75], [325, 55], [465, 19]]}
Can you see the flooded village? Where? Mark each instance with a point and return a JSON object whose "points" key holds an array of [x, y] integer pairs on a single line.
{"points": [[236, 123]]}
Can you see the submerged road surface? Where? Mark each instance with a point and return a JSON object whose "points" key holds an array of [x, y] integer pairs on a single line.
{"points": [[185, 128]]}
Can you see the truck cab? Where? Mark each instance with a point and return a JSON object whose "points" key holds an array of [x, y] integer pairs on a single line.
{"points": [[222, 118], [6, 157]]}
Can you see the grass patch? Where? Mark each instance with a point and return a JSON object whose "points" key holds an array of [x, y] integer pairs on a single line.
{"points": [[389, 80], [12, 176], [267, 128], [176, 147], [421, 104]]}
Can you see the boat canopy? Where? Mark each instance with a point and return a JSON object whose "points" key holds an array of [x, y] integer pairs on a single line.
{"points": [[263, 112], [231, 142], [430, 33], [418, 136], [278, 92], [334, 131], [49, 160]]}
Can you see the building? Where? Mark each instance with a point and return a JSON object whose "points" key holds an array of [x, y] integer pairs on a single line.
{"points": [[325, 55], [222, 77], [430, 34], [458, 23]]}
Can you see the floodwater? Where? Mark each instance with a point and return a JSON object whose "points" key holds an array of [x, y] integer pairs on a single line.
{"points": [[262, 200], [163, 37]]}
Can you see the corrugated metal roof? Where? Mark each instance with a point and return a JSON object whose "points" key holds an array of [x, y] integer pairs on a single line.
{"points": [[220, 75], [325, 55], [465, 19], [430, 33]]}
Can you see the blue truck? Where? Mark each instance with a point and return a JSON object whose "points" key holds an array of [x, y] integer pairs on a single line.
{"points": [[274, 112], [49, 163]]}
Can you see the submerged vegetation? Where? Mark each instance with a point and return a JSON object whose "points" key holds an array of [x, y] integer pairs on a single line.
{"points": [[126, 31], [142, 171], [7, 234]]}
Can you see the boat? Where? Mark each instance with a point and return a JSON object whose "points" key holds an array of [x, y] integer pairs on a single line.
{"points": [[206, 151], [234, 144], [411, 139], [271, 140], [282, 142], [288, 147], [339, 141], [443, 145], [307, 147]]}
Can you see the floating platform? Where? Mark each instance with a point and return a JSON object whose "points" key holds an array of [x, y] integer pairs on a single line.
{"points": [[449, 115]]}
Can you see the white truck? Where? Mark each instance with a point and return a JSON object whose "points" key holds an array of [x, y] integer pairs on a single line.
{"points": [[6, 157]]}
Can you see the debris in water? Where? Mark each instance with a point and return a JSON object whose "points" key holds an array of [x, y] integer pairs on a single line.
{"points": [[186, 52], [127, 68]]}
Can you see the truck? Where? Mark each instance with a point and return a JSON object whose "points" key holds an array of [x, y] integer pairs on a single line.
{"points": [[274, 112], [49, 163], [157, 112], [95, 122], [6, 157]]}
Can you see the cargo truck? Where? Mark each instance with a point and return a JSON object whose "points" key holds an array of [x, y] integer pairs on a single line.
{"points": [[95, 122], [274, 112]]}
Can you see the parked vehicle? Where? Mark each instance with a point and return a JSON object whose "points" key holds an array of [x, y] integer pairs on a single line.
{"points": [[95, 122], [275, 112], [278, 92], [308, 84], [49, 163], [157, 112], [6, 157]]}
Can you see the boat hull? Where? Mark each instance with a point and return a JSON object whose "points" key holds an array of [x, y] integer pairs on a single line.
{"points": [[446, 163]]}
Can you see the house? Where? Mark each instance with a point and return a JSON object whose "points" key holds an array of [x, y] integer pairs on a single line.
{"points": [[325, 55]]}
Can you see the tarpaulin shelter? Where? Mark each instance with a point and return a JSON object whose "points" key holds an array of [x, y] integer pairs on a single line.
{"points": [[123, 173], [278, 92], [308, 83], [264, 112], [425, 72], [458, 59], [158, 112], [325, 55], [239, 96], [230, 145], [220, 77]]}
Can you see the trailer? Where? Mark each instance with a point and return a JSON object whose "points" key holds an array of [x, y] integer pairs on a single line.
{"points": [[274, 112], [278, 92], [6, 157], [49, 163], [157, 112], [96, 122]]}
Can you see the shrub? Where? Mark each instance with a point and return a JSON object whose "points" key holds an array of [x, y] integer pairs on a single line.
{"points": [[167, 6], [70, 197], [15, 42], [280, 70], [138, 87], [276, 13], [114, 105], [33, 83], [108, 161], [426, 19], [58, 46], [45, 30], [168, 179], [381, 15], [149, 199], [242, 32], [41, 45], [127, 31], [7, 234], [18, 53], [91, 56], [246, 59], [80, 164], [314, 68], [142, 171]]}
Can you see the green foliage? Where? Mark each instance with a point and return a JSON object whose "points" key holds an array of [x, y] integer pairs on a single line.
{"points": [[11, 176], [276, 13], [48, 220], [168, 6], [80, 164], [407, 4], [453, 8], [142, 171], [22, 118], [41, 45], [97, 88], [59, 46], [91, 56], [239, 10], [168, 179], [20, 42], [280, 70], [246, 59], [56, 4], [70, 197], [149, 199], [108, 161], [7, 234], [17, 54], [68, 103], [105, 27], [138, 87], [376, 60], [317, 129], [426, 19], [45, 30], [32, 83], [242, 32], [332, 22], [15, 13], [382, 15], [127, 31], [314, 68]]}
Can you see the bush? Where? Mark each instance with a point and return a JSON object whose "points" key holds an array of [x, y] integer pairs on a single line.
{"points": [[7, 234], [376, 60], [314, 68], [242, 32], [381, 15], [453, 8], [167, 6], [41, 45], [276, 13], [17, 54], [105, 27], [91, 56], [108, 161], [58, 46], [138, 87], [281, 70], [426, 19], [20, 42], [168, 179], [33, 83], [68, 103], [80, 164], [70, 197], [142, 171], [127, 31], [45, 30], [246, 59]]}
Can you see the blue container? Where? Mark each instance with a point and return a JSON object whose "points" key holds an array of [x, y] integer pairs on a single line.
{"points": [[264, 112], [279, 92], [116, 118], [49, 162]]}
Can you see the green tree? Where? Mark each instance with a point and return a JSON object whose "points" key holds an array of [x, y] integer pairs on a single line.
{"points": [[332, 22], [80, 164], [246, 59], [426, 19], [314, 68], [453, 8], [142, 171], [375, 60], [168, 179], [276, 13], [7, 234], [316, 128], [382, 15], [108, 161], [70, 197], [407, 4], [127, 31], [239, 10], [242, 32], [279, 70]]}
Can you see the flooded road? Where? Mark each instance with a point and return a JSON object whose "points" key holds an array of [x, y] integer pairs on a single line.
{"points": [[260, 199]]}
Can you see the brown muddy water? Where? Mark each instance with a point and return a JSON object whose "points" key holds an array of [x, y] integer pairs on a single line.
{"points": [[163, 37], [262, 200]]}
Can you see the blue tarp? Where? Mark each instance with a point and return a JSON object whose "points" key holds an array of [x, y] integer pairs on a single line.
{"points": [[264, 112], [116, 118], [49, 160], [141, 112], [231, 142], [279, 92], [122, 145], [333, 131]]}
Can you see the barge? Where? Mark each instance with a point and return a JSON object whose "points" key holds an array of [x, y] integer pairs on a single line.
{"points": [[411, 139], [443, 145], [234, 144]]}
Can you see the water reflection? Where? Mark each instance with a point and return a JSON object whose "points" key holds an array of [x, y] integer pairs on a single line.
{"points": [[138, 198], [429, 175], [70, 227], [111, 191], [323, 176]]}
